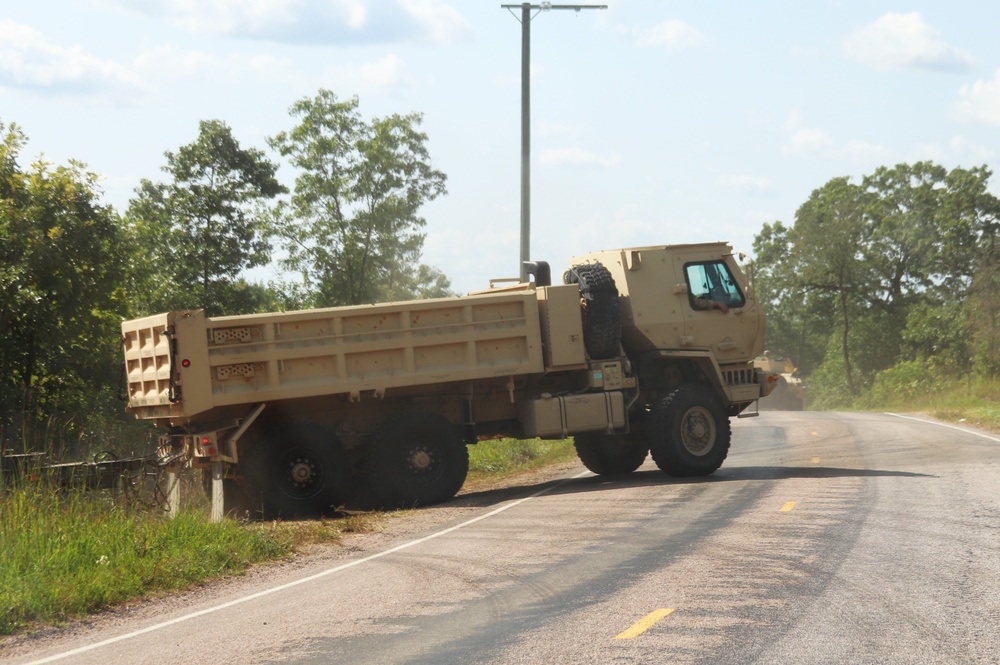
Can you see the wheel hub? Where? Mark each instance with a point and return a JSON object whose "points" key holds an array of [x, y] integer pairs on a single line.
{"points": [[698, 431], [421, 459], [302, 471]]}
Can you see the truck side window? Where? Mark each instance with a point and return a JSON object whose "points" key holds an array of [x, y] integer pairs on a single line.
{"points": [[710, 282]]}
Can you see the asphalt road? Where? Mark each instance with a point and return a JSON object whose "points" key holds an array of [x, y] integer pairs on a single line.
{"points": [[825, 538]]}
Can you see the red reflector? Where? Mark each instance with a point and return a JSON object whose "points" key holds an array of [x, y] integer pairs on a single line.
{"points": [[211, 451], [185, 363]]}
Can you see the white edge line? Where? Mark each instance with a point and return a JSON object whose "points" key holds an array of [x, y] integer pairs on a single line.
{"points": [[304, 580], [934, 422]]}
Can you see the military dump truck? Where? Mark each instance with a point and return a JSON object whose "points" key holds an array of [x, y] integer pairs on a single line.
{"points": [[789, 392], [638, 351]]}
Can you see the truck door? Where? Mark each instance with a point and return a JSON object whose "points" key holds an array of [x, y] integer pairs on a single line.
{"points": [[714, 316]]}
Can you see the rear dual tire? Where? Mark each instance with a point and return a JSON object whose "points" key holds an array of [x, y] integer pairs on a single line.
{"points": [[301, 470], [417, 459]]}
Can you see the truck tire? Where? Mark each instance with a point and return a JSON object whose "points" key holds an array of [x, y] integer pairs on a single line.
{"points": [[690, 433], [418, 459], [609, 454], [602, 312], [297, 471]]}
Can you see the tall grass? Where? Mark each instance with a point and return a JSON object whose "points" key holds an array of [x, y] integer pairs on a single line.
{"points": [[64, 553], [500, 457], [67, 552], [971, 400]]}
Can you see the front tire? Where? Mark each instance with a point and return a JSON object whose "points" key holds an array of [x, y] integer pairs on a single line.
{"points": [[418, 459], [690, 433], [609, 454]]}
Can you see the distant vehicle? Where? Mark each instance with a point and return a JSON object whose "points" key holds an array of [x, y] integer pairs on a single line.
{"points": [[640, 350], [789, 392]]}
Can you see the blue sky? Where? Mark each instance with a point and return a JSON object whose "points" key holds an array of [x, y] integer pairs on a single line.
{"points": [[654, 122]]}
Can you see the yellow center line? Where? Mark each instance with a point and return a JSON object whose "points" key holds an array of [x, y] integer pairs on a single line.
{"points": [[788, 506], [643, 624], [815, 460]]}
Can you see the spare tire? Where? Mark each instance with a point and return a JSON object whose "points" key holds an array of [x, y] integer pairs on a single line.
{"points": [[602, 311]]}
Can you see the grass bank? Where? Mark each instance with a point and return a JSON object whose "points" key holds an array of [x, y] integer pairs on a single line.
{"points": [[969, 401], [67, 553]]}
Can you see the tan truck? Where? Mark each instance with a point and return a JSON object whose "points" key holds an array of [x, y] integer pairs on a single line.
{"points": [[789, 392], [639, 350]]}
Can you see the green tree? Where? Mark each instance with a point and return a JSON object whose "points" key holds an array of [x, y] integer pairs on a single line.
{"points": [[62, 274], [797, 326], [970, 262], [353, 225], [910, 262], [201, 230], [828, 241]]}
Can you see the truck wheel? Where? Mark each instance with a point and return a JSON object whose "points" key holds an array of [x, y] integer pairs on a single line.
{"points": [[689, 434], [297, 471], [602, 312], [417, 459], [608, 454]]}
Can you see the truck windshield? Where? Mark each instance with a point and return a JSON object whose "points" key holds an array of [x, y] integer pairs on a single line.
{"points": [[711, 282]]}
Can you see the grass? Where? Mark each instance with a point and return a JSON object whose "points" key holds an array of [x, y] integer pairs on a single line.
{"points": [[499, 458], [969, 401], [67, 553]]}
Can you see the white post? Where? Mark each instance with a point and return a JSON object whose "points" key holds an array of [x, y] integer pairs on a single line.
{"points": [[218, 497], [173, 494]]}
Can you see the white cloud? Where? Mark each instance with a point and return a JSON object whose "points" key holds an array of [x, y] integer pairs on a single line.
{"points": [[903, 40], [386, 72], [576, 157], [962, 147], [28, 60], [444, 25], [980, 102], [228, 16], [805, 140], [307, 21], [754, 185], [867, 151], [674, 35]]}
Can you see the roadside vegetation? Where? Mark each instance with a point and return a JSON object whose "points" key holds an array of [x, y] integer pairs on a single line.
{"points": [[69, 552], [884, 291], [969, 401]]}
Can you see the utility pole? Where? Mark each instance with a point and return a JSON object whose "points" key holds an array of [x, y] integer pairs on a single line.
{"points": [[525, 19]]}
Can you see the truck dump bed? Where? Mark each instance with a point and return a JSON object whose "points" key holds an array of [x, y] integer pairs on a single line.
{"points": [[180, 364]]}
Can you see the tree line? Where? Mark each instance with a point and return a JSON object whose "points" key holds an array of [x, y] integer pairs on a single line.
{"points": [[72, 267], [885, 285]]}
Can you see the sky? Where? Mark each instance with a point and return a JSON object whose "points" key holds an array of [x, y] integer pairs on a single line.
{"points": [[652, 121]]}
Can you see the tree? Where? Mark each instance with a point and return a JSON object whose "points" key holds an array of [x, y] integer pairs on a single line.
{"points": [[797, 327], [828, 241], [62, 275], [353, 227], [204, 228], [909, 260], [970, 261]]}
